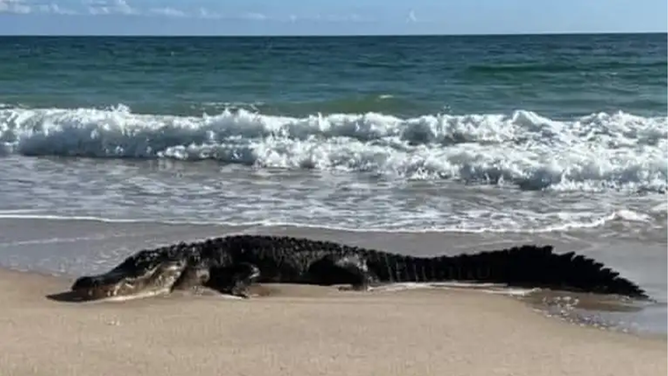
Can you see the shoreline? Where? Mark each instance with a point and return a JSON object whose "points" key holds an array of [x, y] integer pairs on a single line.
{"points": [[292, 329], [74, 248], [531, 300]]}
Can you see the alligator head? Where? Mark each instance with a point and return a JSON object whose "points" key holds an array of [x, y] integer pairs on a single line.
{"points": [[149, 277]]}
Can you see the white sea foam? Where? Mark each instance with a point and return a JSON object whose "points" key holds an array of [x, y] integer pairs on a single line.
{"points": [[630, 215], [596, 152], [465, 225]]}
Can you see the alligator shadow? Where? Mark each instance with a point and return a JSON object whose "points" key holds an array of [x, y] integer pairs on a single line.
{"points": [[67, 297], [255, 291]]}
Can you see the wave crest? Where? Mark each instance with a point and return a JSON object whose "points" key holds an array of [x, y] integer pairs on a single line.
{"points": [[595, 152]]}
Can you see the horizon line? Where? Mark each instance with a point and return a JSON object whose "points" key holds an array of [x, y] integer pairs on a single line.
{"points": [[185, 35]]}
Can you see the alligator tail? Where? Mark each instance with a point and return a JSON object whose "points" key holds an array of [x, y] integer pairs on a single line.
{"points": [[525, 266]]}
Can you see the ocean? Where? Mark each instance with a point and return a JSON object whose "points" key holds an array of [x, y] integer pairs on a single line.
{"points": [[541, 137]]}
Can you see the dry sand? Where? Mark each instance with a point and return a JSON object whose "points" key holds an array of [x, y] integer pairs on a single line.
{"points": [[299, 330]]}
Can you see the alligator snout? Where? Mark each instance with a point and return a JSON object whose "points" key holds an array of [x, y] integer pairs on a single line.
{"points": [[150, 280]]}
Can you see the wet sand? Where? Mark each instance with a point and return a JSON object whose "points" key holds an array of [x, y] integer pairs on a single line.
{"points": [[303, 330]]}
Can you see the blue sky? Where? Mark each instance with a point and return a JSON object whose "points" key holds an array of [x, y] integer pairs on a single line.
{"points": [[307, 17]]}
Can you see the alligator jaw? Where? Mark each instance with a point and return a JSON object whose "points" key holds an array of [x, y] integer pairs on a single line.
{"points": [[116, 284]]}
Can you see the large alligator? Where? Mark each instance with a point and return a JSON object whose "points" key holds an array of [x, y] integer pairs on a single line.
{"points": [[231, 264]]}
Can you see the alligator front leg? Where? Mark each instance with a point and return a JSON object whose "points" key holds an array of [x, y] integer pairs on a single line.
{"points": [[341, 270], [233, 280]]}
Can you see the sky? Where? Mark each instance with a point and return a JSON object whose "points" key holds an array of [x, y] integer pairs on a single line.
{"points": [[328, 17]]}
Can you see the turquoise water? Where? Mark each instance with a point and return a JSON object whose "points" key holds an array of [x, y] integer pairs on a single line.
{"points": [[555, 76]]}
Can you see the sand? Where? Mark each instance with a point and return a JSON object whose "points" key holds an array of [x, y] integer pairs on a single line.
{"points": [[303, 330]]}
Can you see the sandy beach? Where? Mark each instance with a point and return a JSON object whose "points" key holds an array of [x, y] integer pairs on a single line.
{"points": [[298, 330]]}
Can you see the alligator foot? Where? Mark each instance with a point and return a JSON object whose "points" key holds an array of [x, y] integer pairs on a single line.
{"points": [[192, 278], [361, 287], [240, 289], [233, 280]]}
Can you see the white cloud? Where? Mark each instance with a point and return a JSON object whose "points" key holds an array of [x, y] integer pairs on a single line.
{"points": [[207, 14], [411, 17], [14, 6], [101, 7], [354, 17], [169, 12], [123, 7], [56, 9], [26, 7], [254, 16], [133, 7], [343, 18]]}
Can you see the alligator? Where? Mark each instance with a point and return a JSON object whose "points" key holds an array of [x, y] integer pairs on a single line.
{"points": [[231, 264]]}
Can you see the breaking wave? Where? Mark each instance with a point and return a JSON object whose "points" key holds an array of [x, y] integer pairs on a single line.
{"points": [[600, 151]]}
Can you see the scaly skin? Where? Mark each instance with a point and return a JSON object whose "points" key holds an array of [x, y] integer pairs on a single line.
{"points": [[230, 264]]}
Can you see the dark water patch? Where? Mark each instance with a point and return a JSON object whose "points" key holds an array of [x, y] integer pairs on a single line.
{"points": [[463, 74], [555, 67]]}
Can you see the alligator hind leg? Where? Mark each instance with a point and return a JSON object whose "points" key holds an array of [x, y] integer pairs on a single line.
{"points": [[341, 270], [192, 278], [233, 280]]}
